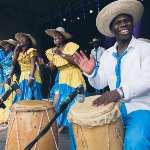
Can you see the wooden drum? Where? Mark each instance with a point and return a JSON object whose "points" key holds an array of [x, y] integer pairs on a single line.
{"points": [[97, 128], [26, 121]]}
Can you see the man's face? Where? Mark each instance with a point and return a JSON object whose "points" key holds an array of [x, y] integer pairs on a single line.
{"points": [[122, 27], [95, 44]]}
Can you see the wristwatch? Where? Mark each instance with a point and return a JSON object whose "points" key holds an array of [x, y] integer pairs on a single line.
{"points": [[63, 55], [120, 92]]}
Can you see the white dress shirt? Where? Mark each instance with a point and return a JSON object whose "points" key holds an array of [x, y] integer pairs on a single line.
{"points": [[134, 74], [97, 53]]}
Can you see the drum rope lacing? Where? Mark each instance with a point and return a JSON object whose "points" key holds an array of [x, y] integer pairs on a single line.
{"points": [[15, 118], [10, 131], [107, 133], [52, 130], [118, 134], [17, 130], [39, 129], [77, 135], [84, 141]]}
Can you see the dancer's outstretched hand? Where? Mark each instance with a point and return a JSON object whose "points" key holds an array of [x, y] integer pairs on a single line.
{"points": [[85, 64]]}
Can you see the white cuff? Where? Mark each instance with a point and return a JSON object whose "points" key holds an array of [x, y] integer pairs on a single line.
{"points": [[91, 75]]}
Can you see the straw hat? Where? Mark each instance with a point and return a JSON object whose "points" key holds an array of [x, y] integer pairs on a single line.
{"points": [[18, 36], [108, 13], [51, 32], [11, 41], [145, 40], [95, 40]]}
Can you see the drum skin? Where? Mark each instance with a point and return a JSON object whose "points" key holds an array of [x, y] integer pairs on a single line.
{"points": [[97, 128], [27, 119]]}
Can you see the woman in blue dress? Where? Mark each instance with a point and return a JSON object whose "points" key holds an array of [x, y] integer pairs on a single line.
{"points": [[5, 64]]}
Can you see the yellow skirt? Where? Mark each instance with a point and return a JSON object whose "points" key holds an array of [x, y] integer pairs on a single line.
{"points": [[4, 113]]}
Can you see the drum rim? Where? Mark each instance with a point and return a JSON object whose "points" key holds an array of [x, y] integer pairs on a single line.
{"points": [[24, 105], [93, 119]]}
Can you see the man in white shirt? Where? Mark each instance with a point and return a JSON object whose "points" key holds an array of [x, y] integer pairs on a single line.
{"points": [[125, 68], [97, 52]]}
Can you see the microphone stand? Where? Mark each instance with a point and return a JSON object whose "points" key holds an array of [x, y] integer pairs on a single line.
{"points": [[12, 87], [62, 107], [4, 98]]}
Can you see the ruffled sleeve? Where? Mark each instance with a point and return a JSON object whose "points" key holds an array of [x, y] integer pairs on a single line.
{"points": [[49, 54], [59, 61], [32, 52], [70, 48]]}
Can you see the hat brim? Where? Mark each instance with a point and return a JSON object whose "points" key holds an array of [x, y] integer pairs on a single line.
{"points": [[111, 11], [18, 36], [145, 40], [4, 42], [98, 41], [51, 32]]}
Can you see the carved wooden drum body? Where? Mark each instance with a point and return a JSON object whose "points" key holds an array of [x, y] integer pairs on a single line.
{"points": [[26, 121], [97, 128]]}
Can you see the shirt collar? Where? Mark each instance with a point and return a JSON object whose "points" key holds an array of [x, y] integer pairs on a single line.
{"points": [[130, 46], [97, 48]]}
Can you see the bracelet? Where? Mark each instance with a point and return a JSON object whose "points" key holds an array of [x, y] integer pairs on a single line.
{"points": [[63, 55], [31, 78], [10, 77], [15, 52]]}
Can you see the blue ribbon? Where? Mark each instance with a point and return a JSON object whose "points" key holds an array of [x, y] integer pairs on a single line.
{"points": [[117, 68]]}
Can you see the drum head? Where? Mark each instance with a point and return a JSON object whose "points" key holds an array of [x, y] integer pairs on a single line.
{"points": [[86, 115], [32, 105]]}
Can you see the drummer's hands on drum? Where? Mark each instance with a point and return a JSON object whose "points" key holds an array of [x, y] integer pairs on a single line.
{"points": [[106, 98], [85, 64]]}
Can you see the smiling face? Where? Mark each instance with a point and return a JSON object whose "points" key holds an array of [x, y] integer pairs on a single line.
{"points": [[24, 41], [122, 27], [58, 38], [8, 47]]}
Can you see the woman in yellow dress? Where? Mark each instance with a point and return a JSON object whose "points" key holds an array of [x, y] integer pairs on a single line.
{"points": [[5, 64], [30, 80], [69, 76]]}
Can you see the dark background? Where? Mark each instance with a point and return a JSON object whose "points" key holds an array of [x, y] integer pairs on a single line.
{"points": [[35, 16]]}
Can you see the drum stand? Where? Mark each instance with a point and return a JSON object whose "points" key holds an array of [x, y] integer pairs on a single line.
{"points": [[63, 106]]}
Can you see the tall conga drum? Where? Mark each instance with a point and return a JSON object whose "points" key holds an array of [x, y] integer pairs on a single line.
{"points": [[26, 121], [97, 128]]}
